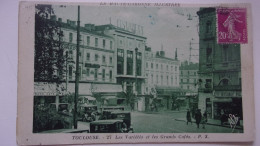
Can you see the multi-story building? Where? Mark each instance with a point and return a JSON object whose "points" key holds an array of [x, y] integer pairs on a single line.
{"points": [[189, 76], [219, 70], [96, 63], [162, 75], [129, 57]]}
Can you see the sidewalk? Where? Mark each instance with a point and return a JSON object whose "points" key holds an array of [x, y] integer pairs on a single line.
{"points": [[213, 122], [162, 111]]}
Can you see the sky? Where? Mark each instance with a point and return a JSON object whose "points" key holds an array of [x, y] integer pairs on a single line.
{"points": [[163, 26]]}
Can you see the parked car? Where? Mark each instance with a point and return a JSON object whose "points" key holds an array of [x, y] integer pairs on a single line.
{"points": [[125, 116], [87, 113], [107, 126]]}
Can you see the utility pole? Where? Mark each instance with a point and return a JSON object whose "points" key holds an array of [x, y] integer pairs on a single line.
{"points": [[77, 74]]}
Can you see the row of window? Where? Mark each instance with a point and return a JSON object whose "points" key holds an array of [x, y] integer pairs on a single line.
{"points": [[129, 62], [188, 80], [88, 57], [189, 72], [162, 81], [88, 72], [157, 66], [228, 54], [88, 41]]}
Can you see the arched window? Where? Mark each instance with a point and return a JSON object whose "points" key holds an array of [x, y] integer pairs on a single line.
{"points": [[224, 82]]}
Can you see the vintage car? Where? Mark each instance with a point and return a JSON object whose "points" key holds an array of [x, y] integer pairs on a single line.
{"points": [[108, 126], [63, 119], [125, 116], [87, 113]]}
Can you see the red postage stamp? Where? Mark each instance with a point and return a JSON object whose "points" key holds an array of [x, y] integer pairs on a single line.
{"points": [[232, 25]]}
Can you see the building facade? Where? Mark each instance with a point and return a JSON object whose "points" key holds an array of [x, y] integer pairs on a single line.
{"points": [[189, 76], [96, 56], [162, 76], [219, 70], [129, 59]]}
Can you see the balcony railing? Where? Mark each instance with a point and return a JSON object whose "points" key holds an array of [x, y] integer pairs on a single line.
{"points": [[228, 88]]}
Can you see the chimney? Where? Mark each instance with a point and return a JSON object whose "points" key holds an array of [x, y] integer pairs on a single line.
{"points": [[53, 17], [157, 53], [60, 19], [68, 21], [73, 23], [90, 27]]}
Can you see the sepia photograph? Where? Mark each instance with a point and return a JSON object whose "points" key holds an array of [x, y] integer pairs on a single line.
{"points": [[138, 68]]}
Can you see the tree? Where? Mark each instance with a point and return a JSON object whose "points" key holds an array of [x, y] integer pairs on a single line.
{"points": [[49, 58], [130, 98]]}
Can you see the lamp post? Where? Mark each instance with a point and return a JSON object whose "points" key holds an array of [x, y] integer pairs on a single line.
{"points": [[77, 73]]}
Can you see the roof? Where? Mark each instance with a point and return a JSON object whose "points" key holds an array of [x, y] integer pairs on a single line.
{"points": [[105, 122], [162, 57], [83, 29], [191, 66]]}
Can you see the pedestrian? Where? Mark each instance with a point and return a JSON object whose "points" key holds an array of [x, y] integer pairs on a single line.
{"points": [[198, 117], [204, 119], [188, 117]]}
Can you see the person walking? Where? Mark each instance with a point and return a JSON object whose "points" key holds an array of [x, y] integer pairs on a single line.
{"points": [[188, 117], [198, 117], [204, 119]]}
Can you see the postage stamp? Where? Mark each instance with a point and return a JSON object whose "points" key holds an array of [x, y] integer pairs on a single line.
{"points": [[232, 25], [92, 73]]}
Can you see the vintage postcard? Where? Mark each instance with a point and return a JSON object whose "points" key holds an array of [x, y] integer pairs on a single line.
{"points": [[110, 72]]}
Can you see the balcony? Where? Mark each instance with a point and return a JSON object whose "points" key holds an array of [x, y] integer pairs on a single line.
{"points": [[228, 88], [206, 90]]}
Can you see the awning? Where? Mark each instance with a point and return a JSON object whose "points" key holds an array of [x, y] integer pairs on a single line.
{"points": [[48, 89], [84, 88], [106, 88], [109, 97]]}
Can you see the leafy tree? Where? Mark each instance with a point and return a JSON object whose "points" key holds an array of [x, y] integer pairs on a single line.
{"points": [[130, 98], [49, 58]]}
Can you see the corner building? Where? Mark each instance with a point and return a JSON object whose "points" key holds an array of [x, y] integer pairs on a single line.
{"points": [[162, 75], [219, 70], [129, 56]]}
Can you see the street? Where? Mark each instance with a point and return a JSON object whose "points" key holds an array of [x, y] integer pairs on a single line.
{"points": [[166, 123]]}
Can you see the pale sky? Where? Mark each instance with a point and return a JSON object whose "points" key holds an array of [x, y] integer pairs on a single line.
{"points": [[166, 26]]}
